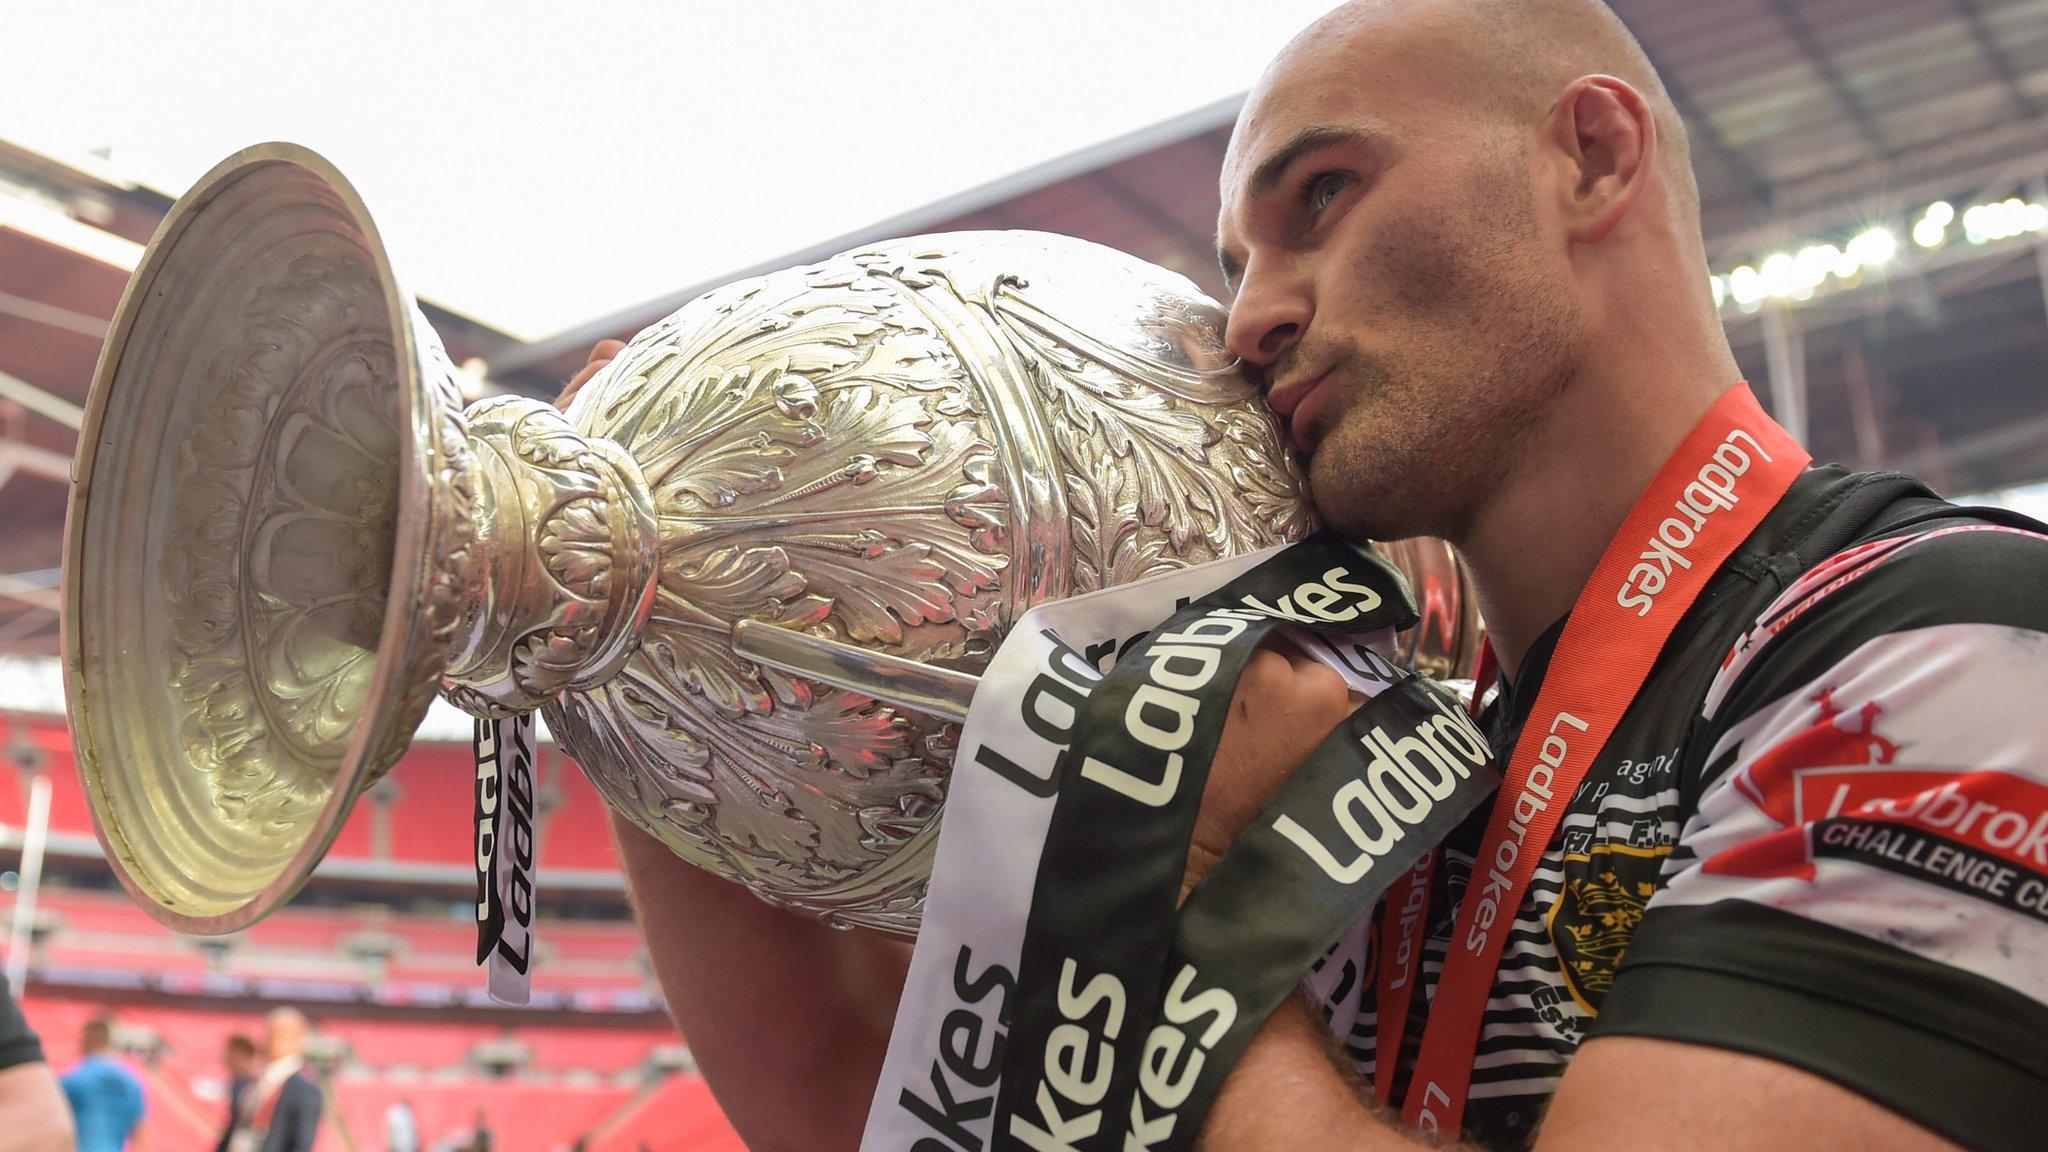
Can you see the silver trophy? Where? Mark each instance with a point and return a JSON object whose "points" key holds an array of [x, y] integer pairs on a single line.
{"points": [[287, 534]]}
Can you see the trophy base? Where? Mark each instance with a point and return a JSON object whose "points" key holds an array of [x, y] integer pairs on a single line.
{"points": [[254, 617]]}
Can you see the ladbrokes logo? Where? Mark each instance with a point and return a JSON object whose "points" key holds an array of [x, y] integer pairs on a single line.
{"points": [[963, 1077], [1713, 490], [1403, 780], [1982, 833], [1160, 717]]}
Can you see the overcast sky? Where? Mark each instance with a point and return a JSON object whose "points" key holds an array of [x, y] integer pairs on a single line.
{"points": [[537, 165]]}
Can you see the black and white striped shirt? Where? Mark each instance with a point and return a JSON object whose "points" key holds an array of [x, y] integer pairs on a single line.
{"points": [[1819, 834]]}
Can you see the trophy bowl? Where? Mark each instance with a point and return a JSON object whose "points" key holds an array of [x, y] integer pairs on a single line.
{"points": [[286, 534]]}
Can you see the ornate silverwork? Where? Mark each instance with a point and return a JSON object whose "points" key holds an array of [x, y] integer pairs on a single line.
{"points": [[904, 448]]}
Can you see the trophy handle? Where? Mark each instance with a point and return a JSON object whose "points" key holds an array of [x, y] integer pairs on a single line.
{"points": [[285, 534], [920, 687], [1444, 644]]}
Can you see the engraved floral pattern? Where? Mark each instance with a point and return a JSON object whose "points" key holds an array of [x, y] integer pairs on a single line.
{"points": [[281, 538], [828, 450]]}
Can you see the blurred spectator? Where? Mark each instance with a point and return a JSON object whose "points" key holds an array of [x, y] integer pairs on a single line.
{"points": [[280, 1111], [239, 1058], [401, 1127], [480, 1134], [32, 1109], [105, 1098]]}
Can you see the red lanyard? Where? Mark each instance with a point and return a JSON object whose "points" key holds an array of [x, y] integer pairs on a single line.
{"points": [[1404, 928], [1731, 470]]}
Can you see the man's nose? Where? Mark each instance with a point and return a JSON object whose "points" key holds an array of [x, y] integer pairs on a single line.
{"points": [[1268, 315]]}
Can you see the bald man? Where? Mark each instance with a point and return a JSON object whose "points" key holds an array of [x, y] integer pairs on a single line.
{"points": [[280, 1112], [1465, 246], [1789, 904]]}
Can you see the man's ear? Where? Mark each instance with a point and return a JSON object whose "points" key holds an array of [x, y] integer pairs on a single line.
{"points": [[1606, 140]]}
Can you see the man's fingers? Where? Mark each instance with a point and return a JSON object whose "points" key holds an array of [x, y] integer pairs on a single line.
{"points": [[1297, 696], [601, 354], [1286, 703]]}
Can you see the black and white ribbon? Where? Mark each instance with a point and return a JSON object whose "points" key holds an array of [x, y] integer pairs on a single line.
{"points": [[1092, 973], [1373, 799], [954, 1041], [507, 846]]}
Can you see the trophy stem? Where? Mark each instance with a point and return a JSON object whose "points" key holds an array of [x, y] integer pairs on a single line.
{"points": [[567, 557]]}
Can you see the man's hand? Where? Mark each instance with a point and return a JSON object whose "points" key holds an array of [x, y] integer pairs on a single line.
{"points": [[1285, 704], [601, 354], [1293, 1089]]}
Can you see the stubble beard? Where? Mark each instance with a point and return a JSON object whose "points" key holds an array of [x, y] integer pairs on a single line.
{"points": [[1418, 448]]}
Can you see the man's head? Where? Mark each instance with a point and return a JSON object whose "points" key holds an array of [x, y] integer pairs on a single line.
{"points": [[1436, 215], [97, 1036], [240, 1056], [284, 1033]]}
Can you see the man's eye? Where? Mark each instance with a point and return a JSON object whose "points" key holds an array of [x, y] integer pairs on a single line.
{"points": [[1323, 189]]}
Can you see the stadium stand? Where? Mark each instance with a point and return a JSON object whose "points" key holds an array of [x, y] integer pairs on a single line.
{"points": [[430, 820], [428, 814], [582, 1080], [381, 953], [679, 1116], [80, 932]]}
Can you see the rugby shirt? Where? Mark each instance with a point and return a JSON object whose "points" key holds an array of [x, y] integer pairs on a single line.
{"points": [[1819, 834]]}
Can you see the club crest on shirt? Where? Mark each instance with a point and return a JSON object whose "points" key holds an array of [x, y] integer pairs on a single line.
{"points": [[1606, 888]]}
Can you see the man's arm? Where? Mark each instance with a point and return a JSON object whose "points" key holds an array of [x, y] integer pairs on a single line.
{"points": [[788, 1019], [32, 1108], [1291, 1090], [1621, 1093]]}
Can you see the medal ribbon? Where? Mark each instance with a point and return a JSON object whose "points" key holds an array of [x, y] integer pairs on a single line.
{"points": [[1403, 929], [1727, 475]]}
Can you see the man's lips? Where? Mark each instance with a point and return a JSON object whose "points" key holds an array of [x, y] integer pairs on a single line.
{"points": [[1287, 400]]}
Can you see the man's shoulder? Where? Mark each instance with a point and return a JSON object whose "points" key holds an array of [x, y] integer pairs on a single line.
{"points": [[1910, 563], [91, 1068], [301, 1091]]}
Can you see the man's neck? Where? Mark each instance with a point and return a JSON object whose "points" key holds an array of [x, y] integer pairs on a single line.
{"points": [[1532, 548]]}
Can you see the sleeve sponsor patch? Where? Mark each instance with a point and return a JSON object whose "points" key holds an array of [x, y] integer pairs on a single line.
{"points": [[1904, 796]]}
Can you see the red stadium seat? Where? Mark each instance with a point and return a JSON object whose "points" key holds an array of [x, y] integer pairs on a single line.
{"points": [[421, 1043], [602, 1050], [590, 941], [524, 1117], [577, 833], [68, 811], [309, 928], [122, 959], [431, 821], [679, 1116]]}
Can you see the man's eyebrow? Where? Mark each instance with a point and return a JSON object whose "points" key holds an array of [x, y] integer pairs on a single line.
{"points": [[1275, 166], [1300, 144]]}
